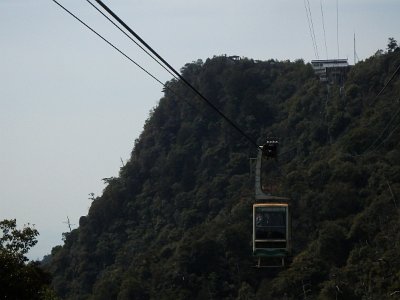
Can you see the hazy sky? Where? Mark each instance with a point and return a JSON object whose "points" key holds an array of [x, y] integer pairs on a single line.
{"points": [[71, 107]]}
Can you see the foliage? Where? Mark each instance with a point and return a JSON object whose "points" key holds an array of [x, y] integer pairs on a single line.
{"points": [[176, 223], [392, 45], [18, 279]]}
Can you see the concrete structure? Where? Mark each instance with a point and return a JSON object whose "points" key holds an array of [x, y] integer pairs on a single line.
{"points": [[331, 70]]}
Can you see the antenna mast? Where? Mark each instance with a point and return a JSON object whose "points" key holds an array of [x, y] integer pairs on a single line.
{"points": [[355, 51], [337, 28]]}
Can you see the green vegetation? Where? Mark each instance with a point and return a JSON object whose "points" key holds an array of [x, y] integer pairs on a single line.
{"points": [[18, 279], [176, 223]]}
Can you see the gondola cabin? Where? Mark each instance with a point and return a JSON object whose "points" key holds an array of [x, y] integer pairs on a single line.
{"points": [[271, 218], [271, 230]]}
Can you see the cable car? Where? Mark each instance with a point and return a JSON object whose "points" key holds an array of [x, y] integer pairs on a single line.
{"points": [[271, 233], [271, 219]]}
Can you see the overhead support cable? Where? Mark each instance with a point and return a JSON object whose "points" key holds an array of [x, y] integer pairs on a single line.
{"points": [[126, 56], [311, 27], [387, 83], [229, 121], [114, 47], [371, 147], [129, 37], [323, 27], [368, 149]]}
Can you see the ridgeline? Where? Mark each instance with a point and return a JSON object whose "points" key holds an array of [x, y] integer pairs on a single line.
{"points": [[176, 223]]}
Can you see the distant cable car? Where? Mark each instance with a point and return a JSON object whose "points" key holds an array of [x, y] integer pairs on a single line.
{"points": [[271, 219]]}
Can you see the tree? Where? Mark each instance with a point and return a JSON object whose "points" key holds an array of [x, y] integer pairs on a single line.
{"points": [[14, 242], [18, 279], [392, 45]]}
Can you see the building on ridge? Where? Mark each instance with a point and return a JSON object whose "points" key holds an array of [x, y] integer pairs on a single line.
{"points": [[331, 70]]}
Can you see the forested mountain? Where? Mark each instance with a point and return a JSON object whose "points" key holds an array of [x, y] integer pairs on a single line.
{"points": [[176, 223]]}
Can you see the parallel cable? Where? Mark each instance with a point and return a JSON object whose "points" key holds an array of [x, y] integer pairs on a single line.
{"points": [[387, 138], [129, 37], [152, 76], [110, 44], [147, 52], [387, 83], [230, 122], [367, 150], [125, 55], [323, 27], [382, 132], [310, 28]]}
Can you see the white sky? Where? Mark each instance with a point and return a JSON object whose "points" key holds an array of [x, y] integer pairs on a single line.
{"points": [[71, 107]]}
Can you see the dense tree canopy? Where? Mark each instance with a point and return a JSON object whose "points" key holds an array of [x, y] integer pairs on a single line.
{"points": [[176, 223]]}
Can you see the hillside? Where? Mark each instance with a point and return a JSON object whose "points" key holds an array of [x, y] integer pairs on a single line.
{"points": [[176, 223]]}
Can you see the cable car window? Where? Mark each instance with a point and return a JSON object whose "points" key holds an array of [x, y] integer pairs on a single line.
{"points": [[270, 223]]}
